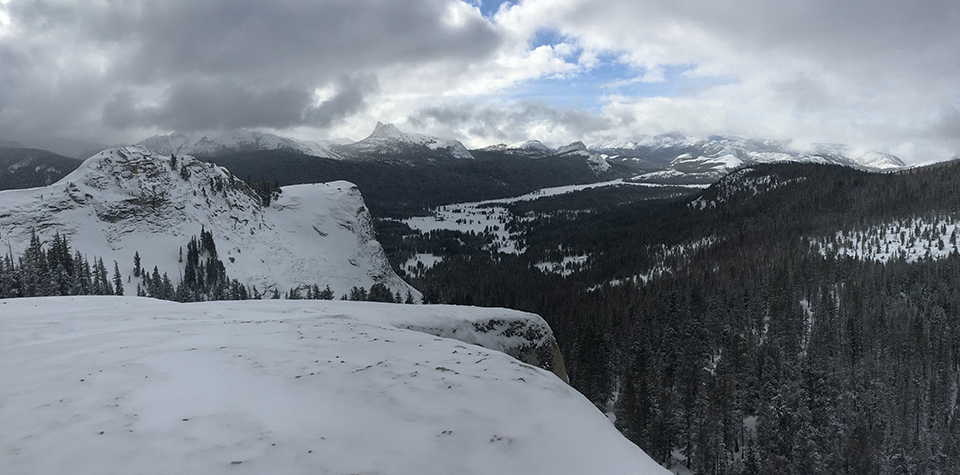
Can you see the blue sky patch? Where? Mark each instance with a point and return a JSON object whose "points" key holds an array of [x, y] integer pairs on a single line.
{"points": [[612, 77]]}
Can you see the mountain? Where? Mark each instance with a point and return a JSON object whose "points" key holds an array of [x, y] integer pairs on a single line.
{"points": [[224, 142], [77, 149], [27, 168], [388, 143], [128, 200], [879, 161], [527, 148], [130, 385], [674, 158]]}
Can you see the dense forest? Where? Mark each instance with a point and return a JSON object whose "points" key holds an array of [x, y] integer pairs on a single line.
{"points": [[720, 333]]}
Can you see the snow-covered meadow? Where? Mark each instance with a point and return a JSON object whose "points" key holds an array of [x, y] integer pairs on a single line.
{"points": [[104, 385]]}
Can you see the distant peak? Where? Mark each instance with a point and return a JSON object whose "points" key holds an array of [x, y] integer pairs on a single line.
{"points": [[385, 130], [577, 146]]}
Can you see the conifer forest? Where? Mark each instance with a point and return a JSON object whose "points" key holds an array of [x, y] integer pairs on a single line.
{"points": [[789, 319]]}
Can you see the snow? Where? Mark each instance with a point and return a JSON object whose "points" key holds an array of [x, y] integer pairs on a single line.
{"points": [[575, 148], [96, 385], [426, 259], [880, 161], [128, 200]]}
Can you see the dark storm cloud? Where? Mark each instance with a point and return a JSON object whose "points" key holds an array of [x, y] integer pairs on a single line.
{"points": [[349, 98], [209, 105], [290, 40], [227, 63]]}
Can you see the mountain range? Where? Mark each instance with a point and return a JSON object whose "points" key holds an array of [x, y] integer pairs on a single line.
{"points": [[663, 159]]}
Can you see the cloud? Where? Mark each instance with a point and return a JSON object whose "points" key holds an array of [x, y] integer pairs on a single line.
{"points": [[121, 67], [877, 74], [480, 124], [202, 105]]}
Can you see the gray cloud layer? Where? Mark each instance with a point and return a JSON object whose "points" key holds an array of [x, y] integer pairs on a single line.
{"points": [[219, 63], [879, 73]]}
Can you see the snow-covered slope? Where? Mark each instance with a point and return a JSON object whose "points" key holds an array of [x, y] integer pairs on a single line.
{"points": [[880, 161], [95, 385], [388, 142], [222, 142], [128, 200]]}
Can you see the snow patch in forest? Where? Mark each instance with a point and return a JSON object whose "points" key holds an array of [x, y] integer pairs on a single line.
{"points": [[568, 265], [910, 239]]}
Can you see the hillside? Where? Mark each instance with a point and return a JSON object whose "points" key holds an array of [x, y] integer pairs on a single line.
{"points": [[127, 201], [27, 168], [789, 318], [98, 385]]}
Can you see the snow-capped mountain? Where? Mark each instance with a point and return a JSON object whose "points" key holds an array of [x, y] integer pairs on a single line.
{"points": [[128, 200], [575, 148], [673, 157], [527, 148], [223, 142], [387, 142], [879, 161]]}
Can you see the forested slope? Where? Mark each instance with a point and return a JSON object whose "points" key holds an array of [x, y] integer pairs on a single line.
{"points": [[724, 336]]}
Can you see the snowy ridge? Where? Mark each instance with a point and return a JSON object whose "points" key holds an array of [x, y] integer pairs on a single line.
{"points": [[216, 143], [127, 200], [387, 139], [98, 385]]}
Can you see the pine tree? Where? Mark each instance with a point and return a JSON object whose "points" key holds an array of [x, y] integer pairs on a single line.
{"points": [[117, 279]]}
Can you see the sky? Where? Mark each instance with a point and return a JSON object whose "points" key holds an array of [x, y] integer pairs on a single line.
{"points": [[881, 75]]}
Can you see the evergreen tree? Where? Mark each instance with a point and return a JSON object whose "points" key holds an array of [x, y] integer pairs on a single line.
{"points": [[117, 279]]}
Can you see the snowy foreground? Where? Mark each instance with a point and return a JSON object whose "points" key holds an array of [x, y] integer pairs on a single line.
{"points": [[104, 385]]}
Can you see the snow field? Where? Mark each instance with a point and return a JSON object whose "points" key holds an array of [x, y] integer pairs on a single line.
{"points": [[131, 385]]}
